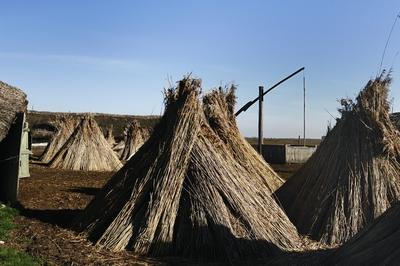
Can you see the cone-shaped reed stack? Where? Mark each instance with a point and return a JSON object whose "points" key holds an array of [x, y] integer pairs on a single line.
{"points": [[135, 138], [110, 137], [12, 101], [219, 110], [184, 194], [65, 127], [86, 150], [377, 244], [354, 175]]}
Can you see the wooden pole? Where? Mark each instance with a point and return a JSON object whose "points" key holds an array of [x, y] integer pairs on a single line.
{"points": [[304, 110], [260, 118]]}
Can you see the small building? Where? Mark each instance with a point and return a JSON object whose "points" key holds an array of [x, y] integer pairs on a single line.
{"points": [[13, 106], [286, 153]]}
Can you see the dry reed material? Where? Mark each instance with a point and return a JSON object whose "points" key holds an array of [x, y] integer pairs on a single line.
{"points": [[219, 110], [353, 177], [135, 138], [65, 127], [12, 101], [87, 150], [110, 137], [183, 194], [377, 244]]}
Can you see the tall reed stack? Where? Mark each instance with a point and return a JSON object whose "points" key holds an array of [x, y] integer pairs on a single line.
{"points": [[354, 176], [185, 194]]}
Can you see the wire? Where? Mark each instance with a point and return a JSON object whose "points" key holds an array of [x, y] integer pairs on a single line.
{"points": [[387, 42]]}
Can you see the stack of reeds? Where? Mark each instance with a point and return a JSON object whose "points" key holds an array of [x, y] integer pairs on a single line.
{"points": [[65, 127], [354, 175], [219, 110], [377, 244], [86, 149], [185, 194], [12, 101], [109, 136], [135, 138]]}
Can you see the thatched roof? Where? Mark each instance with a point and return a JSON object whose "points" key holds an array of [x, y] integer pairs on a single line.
{"points": [[219, 110], [135, 138], [12, 101], [65, 127], [354, 175], [377, 244], [86, 149], [184, 194]]}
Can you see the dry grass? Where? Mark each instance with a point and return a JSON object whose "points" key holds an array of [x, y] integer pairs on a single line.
{"points": [[353, 177], [185, 194], [86, 149], [12, 101]]}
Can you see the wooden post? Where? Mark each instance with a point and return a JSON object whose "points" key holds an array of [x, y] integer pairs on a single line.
{"points": [[304, 110], [260, 118]]}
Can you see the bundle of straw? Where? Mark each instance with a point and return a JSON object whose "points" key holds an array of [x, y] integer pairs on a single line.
{"points": [[109, 136], [12, 101], [65, 127], [184, 194], [354, 175], [86, 149], [377, 244], [219, 110], [135, 138]]}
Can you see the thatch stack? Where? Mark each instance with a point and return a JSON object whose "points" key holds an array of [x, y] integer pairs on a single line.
{"points": [[219, 110], [65, 127], [87, 150], [184, 194], [377, 244], [136, 136], [110, 137], [12, 101], [354, 175]]}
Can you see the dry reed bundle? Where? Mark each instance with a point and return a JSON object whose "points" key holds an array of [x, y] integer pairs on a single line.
{"points": [[135, 138], [377, 244], [183, 194], [219, 110], [12, 101], [87, 150], [65, 127], [353, 177], [110, 137]]}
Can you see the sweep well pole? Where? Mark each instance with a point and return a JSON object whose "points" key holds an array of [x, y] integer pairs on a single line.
{"points": [[260, 118]]}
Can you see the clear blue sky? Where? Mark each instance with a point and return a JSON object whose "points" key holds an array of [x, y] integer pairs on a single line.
{"points": [[117, 56]]}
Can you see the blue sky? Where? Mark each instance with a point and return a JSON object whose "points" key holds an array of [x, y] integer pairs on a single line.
{"points": [[117, 56]]}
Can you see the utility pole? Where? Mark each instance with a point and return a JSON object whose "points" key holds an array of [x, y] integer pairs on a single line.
{"points": [[260, 118]]}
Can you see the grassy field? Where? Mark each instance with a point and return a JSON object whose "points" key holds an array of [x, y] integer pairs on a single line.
{"points": [[8, 255]]}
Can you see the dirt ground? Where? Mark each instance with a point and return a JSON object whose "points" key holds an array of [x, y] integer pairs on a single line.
{"points": [[50, 200]]}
